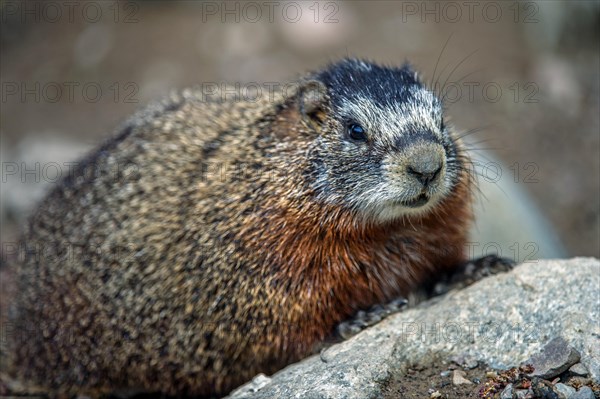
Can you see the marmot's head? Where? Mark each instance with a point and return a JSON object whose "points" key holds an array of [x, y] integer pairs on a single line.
{"points": [[381, 147]]}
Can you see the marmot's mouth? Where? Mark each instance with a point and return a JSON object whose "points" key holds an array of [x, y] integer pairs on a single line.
{"points": [[416, 202]]}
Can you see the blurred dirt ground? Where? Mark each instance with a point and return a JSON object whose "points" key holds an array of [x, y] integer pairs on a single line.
{"points": [[526, 73]]}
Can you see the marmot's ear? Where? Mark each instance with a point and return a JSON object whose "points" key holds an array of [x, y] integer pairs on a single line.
{"points": [[313, 101]]}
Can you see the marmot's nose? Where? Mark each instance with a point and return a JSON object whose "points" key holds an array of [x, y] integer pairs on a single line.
{"points": [[425, 164], [424, 173]]}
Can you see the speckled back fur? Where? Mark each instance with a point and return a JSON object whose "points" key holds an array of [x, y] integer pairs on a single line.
{"points": [[214, 241]]}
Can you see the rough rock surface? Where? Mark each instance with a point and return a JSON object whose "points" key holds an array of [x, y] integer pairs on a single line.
{"points": [[502, 320], [555, 357]]}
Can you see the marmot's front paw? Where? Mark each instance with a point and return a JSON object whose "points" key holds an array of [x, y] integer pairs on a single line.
{"points": [[366, 318], [472, 271]]}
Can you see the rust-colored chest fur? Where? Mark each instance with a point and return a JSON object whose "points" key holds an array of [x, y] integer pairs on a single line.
{"points": [[324, 265]]}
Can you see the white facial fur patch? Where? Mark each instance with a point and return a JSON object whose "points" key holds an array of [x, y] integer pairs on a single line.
{"points": [[387, 124]]}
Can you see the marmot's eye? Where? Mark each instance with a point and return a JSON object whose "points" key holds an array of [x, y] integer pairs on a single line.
{"points": [[356, 132]]}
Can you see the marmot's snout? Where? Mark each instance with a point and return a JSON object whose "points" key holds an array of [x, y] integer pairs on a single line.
{"points": [[418, 173]]}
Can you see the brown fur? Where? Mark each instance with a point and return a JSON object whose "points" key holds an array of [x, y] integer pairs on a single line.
{"points": [[220, 276]]}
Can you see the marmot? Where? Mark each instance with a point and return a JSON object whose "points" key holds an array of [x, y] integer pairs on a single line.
{"points": [[216, 240]]}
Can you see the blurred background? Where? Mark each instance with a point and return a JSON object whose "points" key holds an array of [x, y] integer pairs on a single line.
{"points": [[523, 75]]}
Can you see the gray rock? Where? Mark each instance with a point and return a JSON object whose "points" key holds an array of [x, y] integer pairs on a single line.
{"points": [[583, 393], [554, 358], [255, 385], [502, 321], [507, 392], [458, 378], [545, 391], [465, 361], [579, 370], [564, 391], [523, 394]]}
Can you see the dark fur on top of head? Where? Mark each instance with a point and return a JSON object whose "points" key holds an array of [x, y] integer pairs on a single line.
{"points": [[353, 78]]}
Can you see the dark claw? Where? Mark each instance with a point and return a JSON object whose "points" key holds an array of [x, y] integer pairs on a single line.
{"points": [[472, 271], [486, 266], [366, 318]]}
